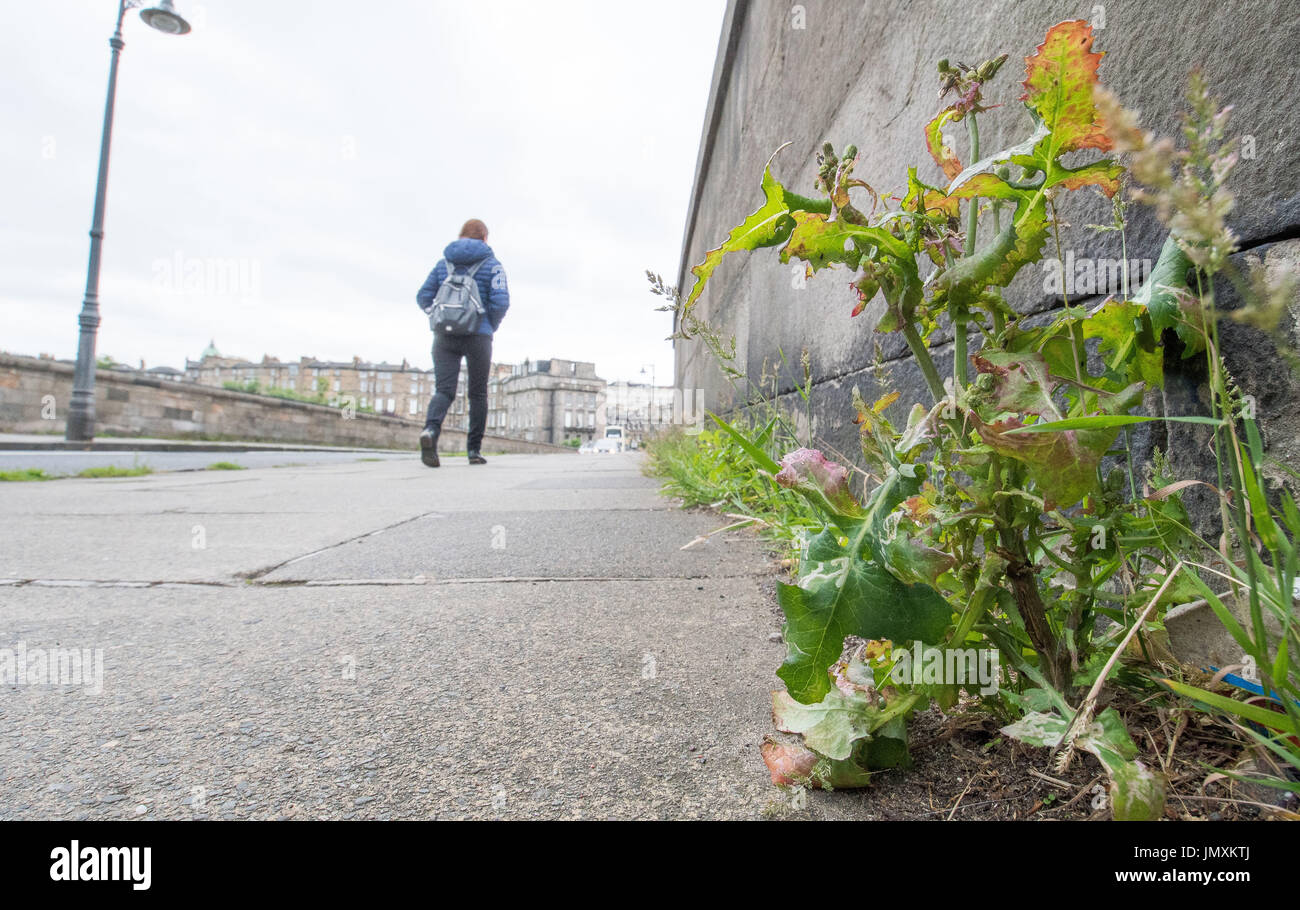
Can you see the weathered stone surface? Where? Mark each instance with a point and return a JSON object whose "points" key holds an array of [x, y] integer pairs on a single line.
{"points": [[867, 76]]}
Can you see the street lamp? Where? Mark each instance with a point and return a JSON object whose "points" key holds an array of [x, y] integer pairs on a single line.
{"points": [[81, 409]]}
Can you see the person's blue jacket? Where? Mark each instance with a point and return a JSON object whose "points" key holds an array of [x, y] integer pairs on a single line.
{"points": [[491, 280]]}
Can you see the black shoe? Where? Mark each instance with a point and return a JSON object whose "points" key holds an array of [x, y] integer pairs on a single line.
{"points": [[429, 448], [476, 458]]}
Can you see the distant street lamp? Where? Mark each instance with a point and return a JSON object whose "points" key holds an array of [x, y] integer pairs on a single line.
{"points": [[81, 409]]}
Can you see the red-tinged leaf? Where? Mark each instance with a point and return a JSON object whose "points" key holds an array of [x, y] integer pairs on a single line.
{"points": [[921, 197], [788, 763], [1021, 382], [940, 150], [1103, 174], [1059, 79], [866, 288], [1064, 468]]}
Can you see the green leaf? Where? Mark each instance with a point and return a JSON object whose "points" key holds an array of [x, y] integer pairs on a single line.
{"points": [[1063, 464], [1127, 343], [1160, 294], [887, 748], [769, 226], [1018, 243], [763, 460], [1038, 728], [830, 727], [1262, 716], [1022, 151], [1137, 794], [1021, 382], [1103, 174], [1107, 739], [906, 556], [844, 589], [821, 242]]}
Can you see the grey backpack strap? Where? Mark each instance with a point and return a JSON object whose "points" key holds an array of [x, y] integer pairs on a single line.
{"points": [[451, 268], [473, 269]]}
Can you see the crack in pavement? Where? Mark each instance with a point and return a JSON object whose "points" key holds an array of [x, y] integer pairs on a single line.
{"points": [[359, 582], [267, 570]]}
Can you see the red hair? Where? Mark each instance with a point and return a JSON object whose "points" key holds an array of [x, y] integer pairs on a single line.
{"points": [[474, 229]]}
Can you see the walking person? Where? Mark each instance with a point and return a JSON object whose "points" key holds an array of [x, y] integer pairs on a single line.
{"points": [[465, 298]]}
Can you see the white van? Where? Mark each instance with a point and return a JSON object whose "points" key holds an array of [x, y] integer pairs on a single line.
{"points": [[616, 434]]}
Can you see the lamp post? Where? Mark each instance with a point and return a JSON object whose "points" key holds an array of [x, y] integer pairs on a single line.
{"points": [[81, 409]]}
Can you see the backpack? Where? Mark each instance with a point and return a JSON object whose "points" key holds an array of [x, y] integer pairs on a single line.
{"points": [[458, 306]]}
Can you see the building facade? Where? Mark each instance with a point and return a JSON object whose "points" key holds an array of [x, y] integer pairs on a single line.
{"points": [[555, 401], [382, 388], [639, 407]]}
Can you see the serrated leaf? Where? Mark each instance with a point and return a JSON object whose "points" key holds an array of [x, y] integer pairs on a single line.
{"points": [[844, 589], [1022, 152], [1059, 82], [1063, 465], [940, 150], [1104, 422], [821, 242], [1018, 243], [907, 557], [921, 197], [769, 226], [1103, 174], [1127, 344], [1021, 382]]}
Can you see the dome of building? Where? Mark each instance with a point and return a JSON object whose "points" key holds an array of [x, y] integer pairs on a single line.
{"points": [[210, 351]]}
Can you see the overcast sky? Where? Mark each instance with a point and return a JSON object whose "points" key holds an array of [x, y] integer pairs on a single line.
{"points": [[284, 177]]}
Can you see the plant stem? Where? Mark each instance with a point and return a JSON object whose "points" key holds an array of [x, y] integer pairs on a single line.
{"points": [[960, 317], [924, 361]]}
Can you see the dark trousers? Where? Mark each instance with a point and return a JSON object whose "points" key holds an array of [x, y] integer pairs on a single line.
{"points": [[447, 353]]}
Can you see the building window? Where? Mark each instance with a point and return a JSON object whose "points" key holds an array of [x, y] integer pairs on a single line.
{"points": [[412, 406], [336, 385]]}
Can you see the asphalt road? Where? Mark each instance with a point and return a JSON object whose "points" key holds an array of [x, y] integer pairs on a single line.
{"points": [[380, 640]]}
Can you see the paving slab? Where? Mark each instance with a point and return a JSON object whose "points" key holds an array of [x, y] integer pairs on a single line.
{"points": [[526, 639]]}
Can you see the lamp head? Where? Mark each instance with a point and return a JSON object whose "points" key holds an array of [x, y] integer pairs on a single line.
{"points": [[164, 18]]}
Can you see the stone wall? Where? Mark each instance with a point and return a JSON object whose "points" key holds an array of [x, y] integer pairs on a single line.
{"points": [[865, 73], [34, 396]]}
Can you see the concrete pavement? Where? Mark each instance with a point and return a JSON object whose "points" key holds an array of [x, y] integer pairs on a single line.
{"points": [[381, 640], [56, 457]]}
